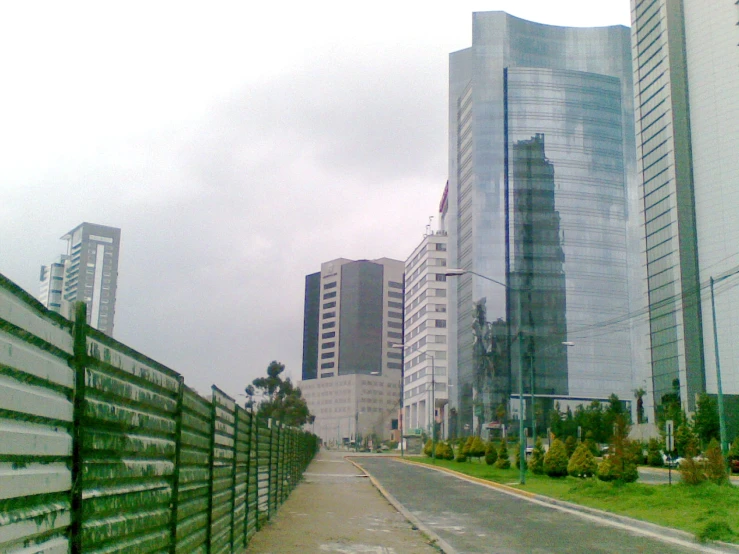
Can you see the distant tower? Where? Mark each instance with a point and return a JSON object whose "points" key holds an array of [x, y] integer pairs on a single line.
{"points": [[88, 273]]}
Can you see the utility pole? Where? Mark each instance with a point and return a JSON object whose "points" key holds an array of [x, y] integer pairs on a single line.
{"points": [[721, 413]]}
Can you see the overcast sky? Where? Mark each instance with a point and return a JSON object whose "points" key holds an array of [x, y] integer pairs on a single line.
{"points": [[237, 147]]}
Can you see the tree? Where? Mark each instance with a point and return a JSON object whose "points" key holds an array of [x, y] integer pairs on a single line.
{"points": [[537, 458], [620, 465], [582, 463], [555, 460], [427, 448], [503, 461], [686, 441], [639, 395], [283, 401], [477, 449], [706, 421], [654, 456], [491, 454], [715, 464], [570, 446]]}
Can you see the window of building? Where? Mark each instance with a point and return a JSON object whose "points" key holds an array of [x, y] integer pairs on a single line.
{"points": [[327, 355], [395, 324], [327, 365], [324, 375], [396, 315], [327, 315], [329, 335], [390, 304], [328, 344], [329, 295], [330, 285], [329, 305], [328, 325], [440, 323], [440, 277], [441, 246], [394, 335], [393, 294], [393, 365], [395, 285]]}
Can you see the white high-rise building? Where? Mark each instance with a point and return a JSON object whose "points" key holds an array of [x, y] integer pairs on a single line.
{"points": [[426, 363], [88, 273]]}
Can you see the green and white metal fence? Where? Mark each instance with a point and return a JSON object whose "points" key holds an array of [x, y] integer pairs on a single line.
{"points": [[102, 449]]}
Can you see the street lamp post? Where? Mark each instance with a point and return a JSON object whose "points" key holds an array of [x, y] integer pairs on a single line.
{"points": [[719, 391], [455, 272]]}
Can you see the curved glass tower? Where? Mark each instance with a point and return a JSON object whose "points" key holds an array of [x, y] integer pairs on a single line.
{"points": [[542, 197]]}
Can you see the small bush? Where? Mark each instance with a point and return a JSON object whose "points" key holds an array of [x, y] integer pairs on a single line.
{"points": [[503, 461], [691, 471], [582, 463], [491, 454], [605, 470], [716, 530], [555, 461], [427, 448], [537, 458], [444, 451], [715, 464]]}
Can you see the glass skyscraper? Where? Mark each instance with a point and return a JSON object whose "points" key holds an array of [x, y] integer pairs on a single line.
{"points": [[542, 198], [686, 81]]}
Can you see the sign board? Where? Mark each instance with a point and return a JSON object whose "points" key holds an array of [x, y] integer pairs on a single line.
{"points": [[670, 438]]}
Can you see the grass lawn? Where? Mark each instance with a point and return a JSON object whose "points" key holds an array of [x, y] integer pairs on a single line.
{"points": [[709, 511]]}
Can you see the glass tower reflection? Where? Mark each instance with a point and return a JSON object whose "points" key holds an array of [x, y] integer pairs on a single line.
{"points": [[542, 197]]}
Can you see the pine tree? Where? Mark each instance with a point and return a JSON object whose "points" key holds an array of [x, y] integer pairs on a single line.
{"points": [[570, 446], [555, 461], [582, 463], [503, 462], [477, 448], [491, 454]]}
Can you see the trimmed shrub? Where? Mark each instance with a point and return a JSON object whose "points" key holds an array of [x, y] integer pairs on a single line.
{"points": [[555, 461], [605, 470], [654, 456], [582, 463], [570, 446], [491, 454], [537, 458], [715, 464], [444, 451], [503, 462], [477, 448], [427, 448]]}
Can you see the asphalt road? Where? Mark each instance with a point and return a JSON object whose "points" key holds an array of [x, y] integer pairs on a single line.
{"points": [[476, 519]]}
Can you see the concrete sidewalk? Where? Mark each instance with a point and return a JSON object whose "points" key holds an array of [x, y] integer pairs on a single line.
{"points": [[337, 509]]}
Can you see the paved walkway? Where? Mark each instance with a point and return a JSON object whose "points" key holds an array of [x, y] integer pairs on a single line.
{"points": [[337, 509]]}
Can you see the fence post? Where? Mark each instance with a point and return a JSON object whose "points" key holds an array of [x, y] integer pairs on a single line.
{"points": [[211, 462], [79, 362], [177, 462], [233, 476]]}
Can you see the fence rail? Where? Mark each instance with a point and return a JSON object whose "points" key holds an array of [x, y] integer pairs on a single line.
{"points": [[103, 449]]}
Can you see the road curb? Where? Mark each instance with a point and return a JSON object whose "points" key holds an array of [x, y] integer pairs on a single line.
{"points": [[667, 534], [438, 542]]}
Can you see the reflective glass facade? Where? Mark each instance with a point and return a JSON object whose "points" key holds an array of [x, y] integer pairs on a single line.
{"points": [[542, 197], [687, 115]]}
